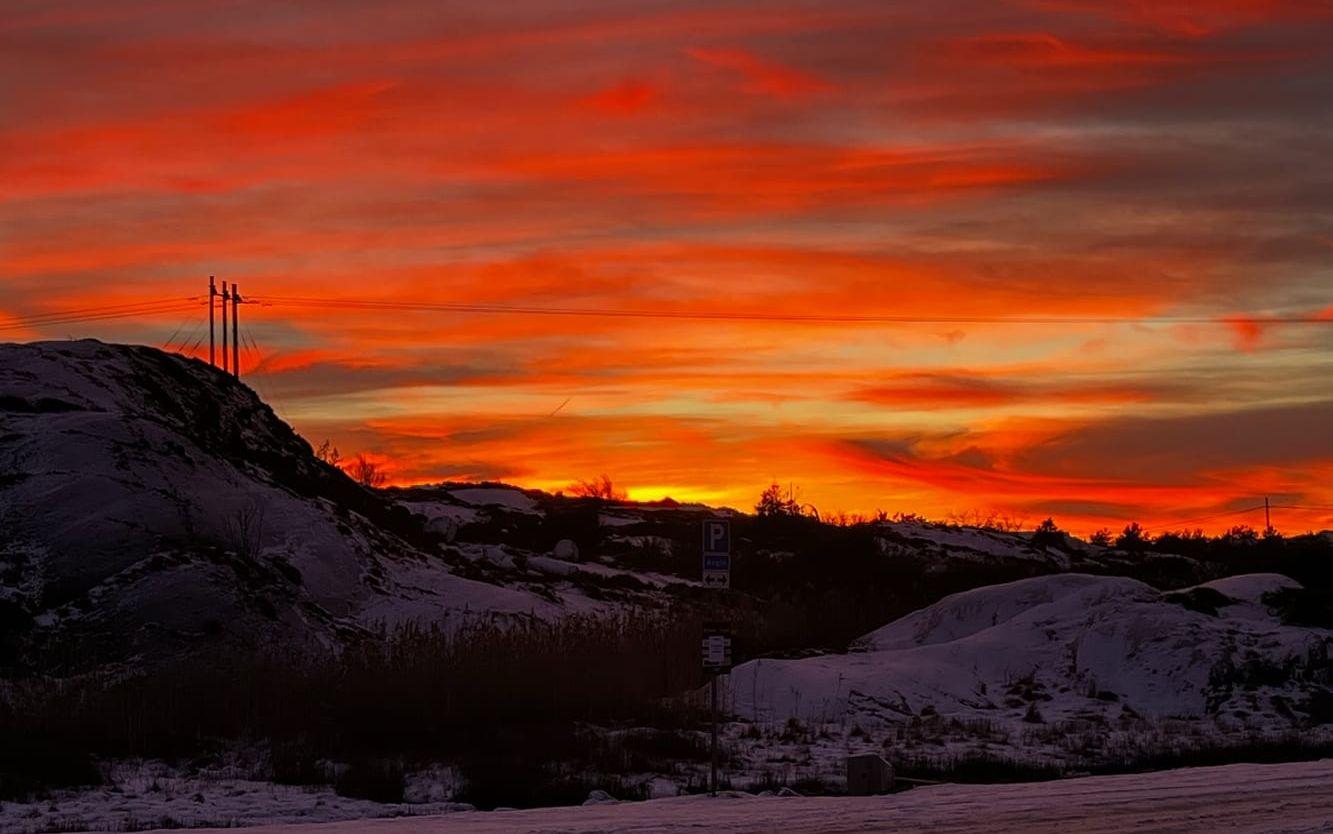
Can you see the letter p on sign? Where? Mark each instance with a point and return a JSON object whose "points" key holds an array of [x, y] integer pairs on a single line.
{"points": [[717, 536]]}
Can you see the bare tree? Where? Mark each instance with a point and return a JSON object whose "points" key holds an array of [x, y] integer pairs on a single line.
{"points": [[246, 527], [366, 472], [328, 453], [600, 487]]}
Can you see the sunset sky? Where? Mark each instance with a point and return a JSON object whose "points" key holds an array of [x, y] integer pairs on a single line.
{"points": [[959, 162]]}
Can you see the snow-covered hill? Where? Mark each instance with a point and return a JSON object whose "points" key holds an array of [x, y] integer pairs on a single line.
{"points": [[148, 501], [990, 670]]}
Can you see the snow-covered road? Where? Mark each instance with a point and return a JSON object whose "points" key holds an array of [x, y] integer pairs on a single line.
{"points": [[1274, 799]]}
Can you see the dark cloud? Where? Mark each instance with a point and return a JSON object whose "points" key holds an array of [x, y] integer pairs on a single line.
{"points": [[1172, 449]]}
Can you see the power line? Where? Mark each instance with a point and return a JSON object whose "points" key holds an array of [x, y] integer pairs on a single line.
{"points": [[1180, 524], [198, 325], [52, 320], [172, 338], [600, 312], [197, 342], [104, 308]]}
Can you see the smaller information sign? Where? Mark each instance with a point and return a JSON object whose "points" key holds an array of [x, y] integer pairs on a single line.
{"points": [[717, 647]]}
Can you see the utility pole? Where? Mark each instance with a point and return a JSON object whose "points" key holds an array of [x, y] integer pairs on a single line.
{"points": [[212, 304], [1268, 520], [235, 330], [226, 297]]}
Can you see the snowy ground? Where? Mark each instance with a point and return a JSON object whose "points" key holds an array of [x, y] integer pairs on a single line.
{"points": [[1275, 799], [142, 796]]}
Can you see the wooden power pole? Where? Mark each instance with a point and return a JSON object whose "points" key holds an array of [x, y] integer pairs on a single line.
{"points": [[212, 304], [226, 297], [235, 330]]}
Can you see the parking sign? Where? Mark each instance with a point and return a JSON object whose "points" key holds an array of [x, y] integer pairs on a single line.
{"points": [[717, 553]]}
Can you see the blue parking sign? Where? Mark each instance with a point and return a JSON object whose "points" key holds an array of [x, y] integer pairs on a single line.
{"points": [[717, 553]]}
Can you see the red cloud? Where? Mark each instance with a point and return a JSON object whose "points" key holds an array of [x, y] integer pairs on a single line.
{"points": [[761, 76], [624, 99]]}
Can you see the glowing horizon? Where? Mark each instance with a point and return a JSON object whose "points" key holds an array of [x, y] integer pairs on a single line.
{"points": [[1050, 158]]}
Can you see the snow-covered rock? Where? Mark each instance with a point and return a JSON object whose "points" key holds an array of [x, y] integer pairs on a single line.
{"points": [[566, 550], [509, 498], [150, 499], [1064, 643]]}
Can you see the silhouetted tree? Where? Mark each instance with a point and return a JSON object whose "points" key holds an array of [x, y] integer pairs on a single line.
{"points": [[1047, 534], [1101, 538], [1132, 538], [328, 453], [1242, 535], [773, 504], [366, 472], [600, 487]]}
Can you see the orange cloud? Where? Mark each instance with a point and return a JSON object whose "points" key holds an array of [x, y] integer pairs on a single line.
{"points": [[760, 76]]}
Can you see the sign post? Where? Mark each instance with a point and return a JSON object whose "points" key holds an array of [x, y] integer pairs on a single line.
{"points": [[716, 661], [717, 636], [717, 553]]}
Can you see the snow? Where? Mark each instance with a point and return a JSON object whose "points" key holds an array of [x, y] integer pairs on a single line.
{"points": [[1240, 799], [1073, 644], [509, 498], [436, 509], [560, 567], [1251, 587], [153, 795]]}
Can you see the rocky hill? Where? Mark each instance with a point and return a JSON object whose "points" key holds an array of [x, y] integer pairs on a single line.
{"points": [[151, 502], [1071, 669]]}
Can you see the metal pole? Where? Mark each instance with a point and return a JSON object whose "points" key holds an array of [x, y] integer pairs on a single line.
{"points": [[714, 780], [1268, 521], [235, 331], [226, 297], [212, 305]]}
